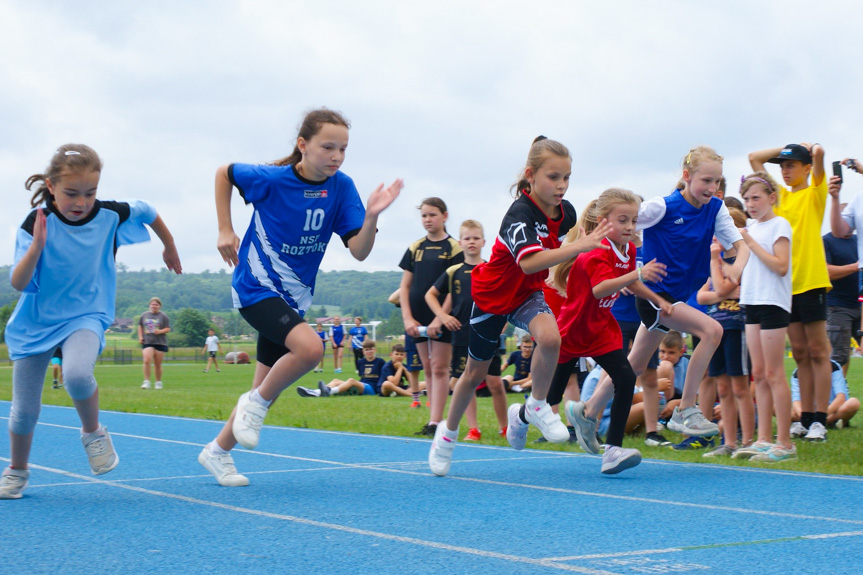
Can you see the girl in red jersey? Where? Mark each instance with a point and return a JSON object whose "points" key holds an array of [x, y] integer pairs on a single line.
{"points": [[588, 329], [509, 288]]}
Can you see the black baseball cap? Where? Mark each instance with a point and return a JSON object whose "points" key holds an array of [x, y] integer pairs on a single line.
{"points": [[793, 152]]}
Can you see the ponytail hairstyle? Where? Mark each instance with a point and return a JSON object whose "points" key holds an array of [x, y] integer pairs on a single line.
{"points": [[695, 157], [435, 203], [540, 150], [75, 158], [759, 178], [311, 125], [590, 218]]}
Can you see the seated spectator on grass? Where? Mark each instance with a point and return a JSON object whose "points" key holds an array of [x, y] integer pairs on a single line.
{"points": [[520, 381], [370, 368], [394, 380], [842, 406]]}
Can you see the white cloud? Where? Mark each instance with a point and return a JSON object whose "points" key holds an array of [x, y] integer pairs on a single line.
{"points": [[447, 95]]}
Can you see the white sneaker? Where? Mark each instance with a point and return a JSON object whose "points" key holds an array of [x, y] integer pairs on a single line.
{"points": [[517, 389], [798, 431], [158, 385], [617, 459], [585, 427], [248, 421], [146, 384], [100, 451], [222, 467], [440, 454], [516, 429], [817, 432], [691, 421], [13, 482], [547, 421]]}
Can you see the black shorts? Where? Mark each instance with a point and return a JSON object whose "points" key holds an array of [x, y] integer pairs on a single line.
{"points": [[809, 306], [412, 356], [485, 328], [731, 357], [494, 366], [213, 354], [767, 316], [273, 319], [459, 360], [628, 329], [650, 315], [156, 346]]}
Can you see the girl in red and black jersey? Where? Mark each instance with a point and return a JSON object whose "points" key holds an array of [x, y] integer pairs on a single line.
{"points": [[509, 288], [593, 281], [423, 263]]}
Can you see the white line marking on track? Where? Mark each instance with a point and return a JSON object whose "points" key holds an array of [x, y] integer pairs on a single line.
{"points": [[334, 526]]}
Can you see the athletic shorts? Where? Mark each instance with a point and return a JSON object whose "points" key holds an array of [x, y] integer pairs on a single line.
{"points": [[809, 306], [412, 357], [273, 319], [213, 354], [459, 360], [731, 357], [56, 361], [494, 366], [767, 316], [649, 314], [628, 329], [156, 346], [485, 328], [368, 389], [842, 325]]}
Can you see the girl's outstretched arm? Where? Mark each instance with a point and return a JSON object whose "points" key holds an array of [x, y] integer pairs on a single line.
{"points": [[169, 254], [361, 244], [538, 261], [23, 272], [228, 243]]}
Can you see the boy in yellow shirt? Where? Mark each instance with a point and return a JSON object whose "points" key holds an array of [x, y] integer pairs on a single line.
{"points": [[803, 206]]}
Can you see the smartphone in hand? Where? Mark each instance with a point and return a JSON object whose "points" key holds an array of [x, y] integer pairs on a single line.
{"points": [[837, 170]]}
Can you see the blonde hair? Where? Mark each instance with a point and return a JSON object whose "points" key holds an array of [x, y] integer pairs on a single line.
{"points": [[673, 339], [695, 157], [155, 299], [540, 150], [471, 225], [595, 211], [759, 178]]}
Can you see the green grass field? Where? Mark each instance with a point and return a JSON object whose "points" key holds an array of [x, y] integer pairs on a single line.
{"points": [[190, 393]]}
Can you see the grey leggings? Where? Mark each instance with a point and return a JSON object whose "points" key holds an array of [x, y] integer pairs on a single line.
{"points": [[28, 376]]}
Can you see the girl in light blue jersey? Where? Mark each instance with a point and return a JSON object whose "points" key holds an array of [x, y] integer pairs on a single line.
{"points": [[64, 267], [299, 202]]}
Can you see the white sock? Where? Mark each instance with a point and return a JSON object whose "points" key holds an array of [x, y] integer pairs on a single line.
{"points": [[334, 391], [531, 402], [215, 449], [256, 397], [447, 431]]}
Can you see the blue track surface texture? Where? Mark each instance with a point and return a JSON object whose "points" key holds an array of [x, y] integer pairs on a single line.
{"points": [[326, 502]]}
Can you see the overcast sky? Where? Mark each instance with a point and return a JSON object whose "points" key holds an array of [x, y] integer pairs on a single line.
{"points": [[447, 95]]}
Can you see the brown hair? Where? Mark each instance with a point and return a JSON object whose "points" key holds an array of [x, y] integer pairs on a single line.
{"points": [[398, 348], [738, 216], [74, 158], [540, 150], [673, 339], [310, 126], [527, 339], [369, 343], [435, 203], [762, 179]]}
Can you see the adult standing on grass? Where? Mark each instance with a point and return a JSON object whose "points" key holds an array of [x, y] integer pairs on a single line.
{"points": [[299, 202], [65, 268], [212, 347], [153, 328]]}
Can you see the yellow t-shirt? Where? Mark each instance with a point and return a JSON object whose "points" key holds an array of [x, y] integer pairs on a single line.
{"points": [[804, 210]]}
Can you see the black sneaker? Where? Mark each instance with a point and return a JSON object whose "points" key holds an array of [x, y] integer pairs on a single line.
{"points": [[325, 391], [428, 430], [655, 439]]}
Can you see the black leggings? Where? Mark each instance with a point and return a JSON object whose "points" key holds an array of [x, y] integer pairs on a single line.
{"points": [[615, 365]]}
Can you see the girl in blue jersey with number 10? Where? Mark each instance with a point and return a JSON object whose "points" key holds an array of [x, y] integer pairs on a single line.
{"points": [[65, 268], [299, 202], [678, 231]]}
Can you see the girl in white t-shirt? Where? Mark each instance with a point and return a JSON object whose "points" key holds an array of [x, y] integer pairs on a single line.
{"points": [[765, 291]]}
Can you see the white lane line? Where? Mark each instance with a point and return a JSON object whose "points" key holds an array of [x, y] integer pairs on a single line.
{"points": [[332, 526]]}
